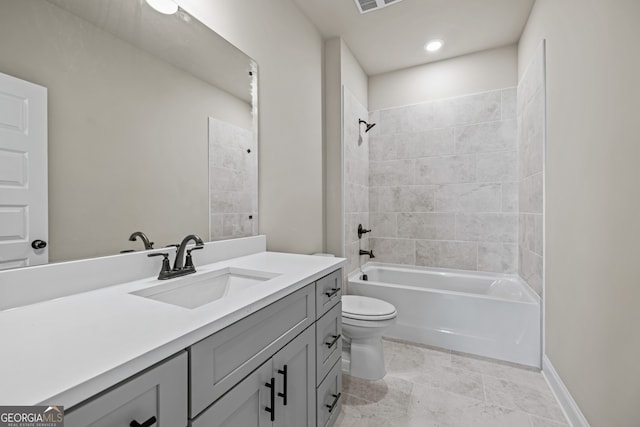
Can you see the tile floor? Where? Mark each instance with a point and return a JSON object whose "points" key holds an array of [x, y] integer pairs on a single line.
{"points": [[430, 387]]}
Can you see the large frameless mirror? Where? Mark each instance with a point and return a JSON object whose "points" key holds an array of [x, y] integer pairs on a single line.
{"points": [[151, 126]]}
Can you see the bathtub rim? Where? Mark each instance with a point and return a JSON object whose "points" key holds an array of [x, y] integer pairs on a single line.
{"points": [[534, 298]]}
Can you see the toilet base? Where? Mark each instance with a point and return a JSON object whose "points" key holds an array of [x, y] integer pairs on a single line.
{"points": [[364, 358]]}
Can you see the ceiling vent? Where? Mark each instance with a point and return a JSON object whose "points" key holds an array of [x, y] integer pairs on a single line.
{"points": [[365, 6]]}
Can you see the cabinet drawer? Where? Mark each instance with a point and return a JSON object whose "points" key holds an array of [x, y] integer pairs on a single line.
{"points": [[328, 292], [160, 392], [223, 359], [329, 397], [328, 341]]}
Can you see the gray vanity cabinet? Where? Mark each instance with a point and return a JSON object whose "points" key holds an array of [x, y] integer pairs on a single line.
{"points": [[159, 392], [277, 367], [259, 399]]}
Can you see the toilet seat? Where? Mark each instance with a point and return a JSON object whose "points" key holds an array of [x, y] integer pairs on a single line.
{"points": [[363, 308]]}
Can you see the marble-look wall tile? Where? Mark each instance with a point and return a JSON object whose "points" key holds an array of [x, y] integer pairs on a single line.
{"points": [[357, 198], [437, 226], [392, 172], [530, 198], [394, 251], [383, 224], [437, 142], [531, 134], [357, 146], [530, 269], [486, 137], [498, 257], [382, 147], [509, 103], [510, 193], [464, 156], [352, 220], [446, 170], [413, 198], [498, 166], [237, 225], [469, 198], [538, 237], [463, 110], [447, 254], [231, 201], [487, 227], [233, 190]]}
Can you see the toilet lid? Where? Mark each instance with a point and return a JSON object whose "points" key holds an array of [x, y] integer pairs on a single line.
{"points": [[365, 308]]}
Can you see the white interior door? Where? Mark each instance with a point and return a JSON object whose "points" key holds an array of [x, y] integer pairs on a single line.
{"points": [[23, 173]]}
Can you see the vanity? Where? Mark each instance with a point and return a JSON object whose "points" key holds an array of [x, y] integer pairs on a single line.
{"points": [[263, 349]]}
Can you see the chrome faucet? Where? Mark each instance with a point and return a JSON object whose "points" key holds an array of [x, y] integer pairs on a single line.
{"points": [[181, 267], [145, 240]]}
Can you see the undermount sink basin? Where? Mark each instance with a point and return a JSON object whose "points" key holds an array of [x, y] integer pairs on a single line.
{"points": [[201, 289]]}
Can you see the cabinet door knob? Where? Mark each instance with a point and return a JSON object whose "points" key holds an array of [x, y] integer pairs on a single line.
{"points": [[151, 421], [272, 410], [38, 244]]}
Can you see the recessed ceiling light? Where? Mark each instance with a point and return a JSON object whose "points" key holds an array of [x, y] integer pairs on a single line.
{"points": [[433, 45], [168, 7]]}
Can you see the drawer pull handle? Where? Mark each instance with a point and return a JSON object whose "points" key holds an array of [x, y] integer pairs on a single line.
{"points": [[336, 397], [334, 341], [332, 293], [272, 385], [151, 421], [283, 395]]}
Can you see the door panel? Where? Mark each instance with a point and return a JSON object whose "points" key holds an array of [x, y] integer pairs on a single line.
{"points": [[23, 172], [299, 358], [244, 405]]}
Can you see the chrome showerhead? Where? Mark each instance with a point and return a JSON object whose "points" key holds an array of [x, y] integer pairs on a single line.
{"points": [[369, 125]]}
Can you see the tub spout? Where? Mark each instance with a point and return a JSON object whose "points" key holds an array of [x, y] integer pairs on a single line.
{"points": [[368, 253]]}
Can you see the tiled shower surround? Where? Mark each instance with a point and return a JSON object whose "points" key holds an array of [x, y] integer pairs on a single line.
{"points": [[356, 177], [233, 181], [531, 101], [443, 183]]}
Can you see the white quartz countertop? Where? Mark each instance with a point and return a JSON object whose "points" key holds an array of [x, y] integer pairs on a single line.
{"points": [[65, 350]]}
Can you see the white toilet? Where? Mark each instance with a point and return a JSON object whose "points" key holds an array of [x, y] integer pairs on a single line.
{"points": [[364, 320]]}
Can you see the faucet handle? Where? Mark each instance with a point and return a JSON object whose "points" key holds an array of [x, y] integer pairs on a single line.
{"points": [[188, 263], [166, 266]]}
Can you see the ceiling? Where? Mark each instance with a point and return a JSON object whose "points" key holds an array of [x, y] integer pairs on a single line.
{"points": [[393, 37]]}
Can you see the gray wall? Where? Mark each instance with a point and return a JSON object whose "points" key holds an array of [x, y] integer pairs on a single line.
{"points": [[592, 200]]}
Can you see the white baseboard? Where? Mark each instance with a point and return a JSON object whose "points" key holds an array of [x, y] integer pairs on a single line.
{"points": [[569, 406]]}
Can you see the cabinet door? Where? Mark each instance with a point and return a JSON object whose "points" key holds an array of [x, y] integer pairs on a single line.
{"points": [[294, 368], [244, 405], [159, 393]]}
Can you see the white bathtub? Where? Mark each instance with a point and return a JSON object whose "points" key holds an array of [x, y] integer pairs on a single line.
{"points": [[486, 314]]}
